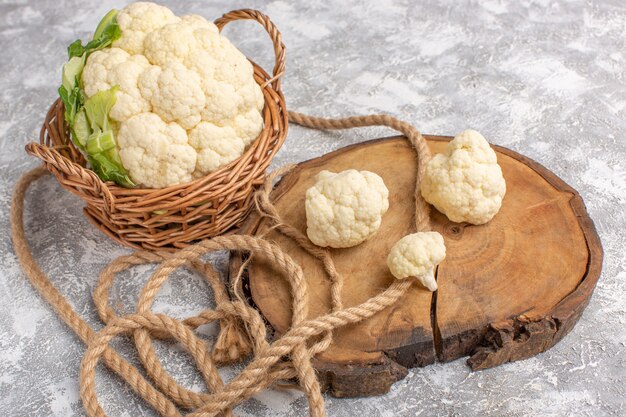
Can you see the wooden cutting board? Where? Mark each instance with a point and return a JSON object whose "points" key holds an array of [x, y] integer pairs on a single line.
{"points": [[508, 289]]}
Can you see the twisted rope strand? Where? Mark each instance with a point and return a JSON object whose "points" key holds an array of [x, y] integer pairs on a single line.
{"points": [[180, 395], [42, 284]]}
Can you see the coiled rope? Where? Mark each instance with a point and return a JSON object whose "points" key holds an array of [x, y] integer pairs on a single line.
{"points": [[242, 330]]}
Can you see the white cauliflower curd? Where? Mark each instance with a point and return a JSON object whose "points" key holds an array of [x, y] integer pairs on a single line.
{"points": [[186, 101], [156, 152], [417, 255], [344, 209], [465, 182]]}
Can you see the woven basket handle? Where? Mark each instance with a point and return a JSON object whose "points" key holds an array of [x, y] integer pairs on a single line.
{"points": [[57, 163], [279, 47]]}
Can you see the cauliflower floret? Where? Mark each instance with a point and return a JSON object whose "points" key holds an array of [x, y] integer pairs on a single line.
{"points": [[173, 42], [465, 182], [176, 41], [234, 67], [417, 255], [174, 92], [156, 154], [226, 76], [138, 20], [226, 106], [216, 146], [252, 96], [248, 125], [96, 72], [221, 103], [344, 209], [232, 95], [113, 66]]}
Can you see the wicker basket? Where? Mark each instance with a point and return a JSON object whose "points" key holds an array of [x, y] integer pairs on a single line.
{"points": [[175, 216]]}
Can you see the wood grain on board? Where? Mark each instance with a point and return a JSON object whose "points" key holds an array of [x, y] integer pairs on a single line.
{"points": [[508, 289]]}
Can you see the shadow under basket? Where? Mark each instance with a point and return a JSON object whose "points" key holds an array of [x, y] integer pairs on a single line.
{"points": [[176, 216]]}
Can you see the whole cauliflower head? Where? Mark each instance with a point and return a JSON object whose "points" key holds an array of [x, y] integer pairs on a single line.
{"points": [[181, 71], [344, 209], [465, 182], [417, 255]]}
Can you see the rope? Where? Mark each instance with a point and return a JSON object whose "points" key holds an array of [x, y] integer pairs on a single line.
{"points": [[242, 330]]}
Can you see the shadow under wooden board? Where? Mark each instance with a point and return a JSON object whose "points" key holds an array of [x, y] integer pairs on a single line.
{"points": [[508, 289]]}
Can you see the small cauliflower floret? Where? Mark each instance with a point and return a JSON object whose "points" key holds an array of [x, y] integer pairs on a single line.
{"points": [[138, 20], [174, 92], [465, 182], [227, 79], [417, 255], [221, 103], [96, 72], [215, 145], [248, 125], [234, 67], [156, 154], [113, 66], [177, 41], [173, 42], [252, 96], [344, 209]]}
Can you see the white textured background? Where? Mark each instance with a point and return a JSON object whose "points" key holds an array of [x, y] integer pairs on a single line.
{"points": [[545, 78]]}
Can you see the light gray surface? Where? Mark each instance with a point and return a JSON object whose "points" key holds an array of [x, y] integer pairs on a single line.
{"points": [[544, 78]]}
